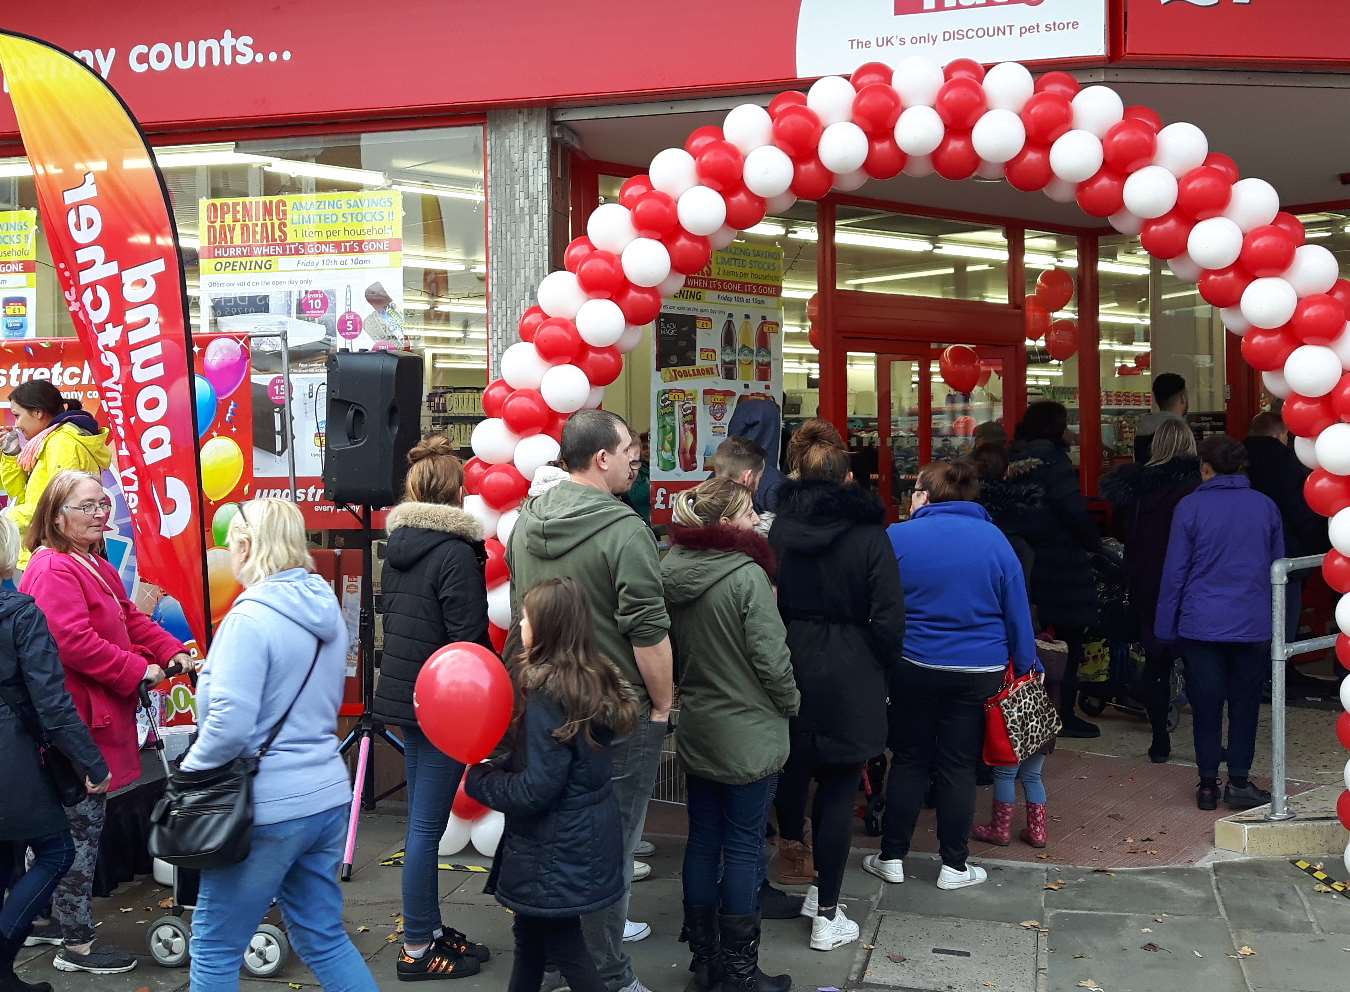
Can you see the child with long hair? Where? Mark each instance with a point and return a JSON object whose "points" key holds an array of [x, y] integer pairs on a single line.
{"points": [[561, 855]]}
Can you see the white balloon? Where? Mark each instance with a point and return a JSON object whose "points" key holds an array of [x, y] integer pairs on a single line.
{"points": [[522, 366], [998, 135], [1314, 270], [455, 838], [1215, 243], [1346, 858], [1345, 704], [850, 181], [918, 79], [499, 605], [701, 210], [1306, 449], [919, 131], [1314, 370], [596, 397], [1338, 530], [534, 452], [1008, 86], [610, 225], [919, 166], [1076, 156], [1276, 384], [600, 322], [768, 171], [722, 237], [1150, 192], [1268, 302], [505, 524], [1061, 190], [1181, 148], [1184, 268], [671, 285], [565, 388], [632, 337], [748, 127], [1097, 109], [1332, 447], [1254, 203], [493, 441], [672, 172], [646, 262], [560, 295], [1341, 346], [991, 171], [486, 833], [1233, 320], [1126, 222], [1343, 614], [831, 97], [843, 147], [476, 507], [777, 204]]}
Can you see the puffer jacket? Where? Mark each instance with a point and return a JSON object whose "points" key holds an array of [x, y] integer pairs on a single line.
{"points": [[1014, 503]]}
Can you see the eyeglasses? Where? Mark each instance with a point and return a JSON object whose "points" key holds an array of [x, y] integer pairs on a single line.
{"points": [[92, 508]]}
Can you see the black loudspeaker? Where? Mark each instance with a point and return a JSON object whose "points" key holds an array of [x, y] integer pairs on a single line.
{"points": [[374, 420]]}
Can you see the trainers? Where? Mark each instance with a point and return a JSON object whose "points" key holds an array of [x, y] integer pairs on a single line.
{"points": [[645, 849], [458, 943], [950, 878], [437, 961], [45, 932], [641, 870], [635, 986], [892, 871], [633, 932], [97, 961], [828, 934], [1247, 796], [811, 904]]}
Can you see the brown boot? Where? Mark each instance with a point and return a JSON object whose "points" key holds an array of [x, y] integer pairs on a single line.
{"points": [[999, 829], [795, 866]]}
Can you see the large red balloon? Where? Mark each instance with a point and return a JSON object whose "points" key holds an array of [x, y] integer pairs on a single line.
{"points": [[701, 137], [474, 470], [1318, 319], [1267, 250], [876, 108], [529, 323], [640, 304], [463, 699], [1029, 170], [557, 341], [495, 571], [1336, 571], [869, 73], [1062, 339], [1266, 350], [1305, 416], [655, 215], [1058, 82], [1103, 194], [494, 394], [1046, 117], [956, 157], [1326, 494], [601, 274], [1038, 318], [1203, 193], [884, 158], [744, 209], [1129, 145], [1054, 287], [688, 252], [1223, 287], [960, 367], [719, 165], [633, 189], [525, 412], [796, 130], [960, 103], [810, 179], [503, 487], [601, 365], [577, 251], [1165, 237]]}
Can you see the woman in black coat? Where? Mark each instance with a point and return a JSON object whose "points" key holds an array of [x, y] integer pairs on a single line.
{"points": [[34, 704], [840, 599], [1145, 497], [433, 594], [1062, 536]]}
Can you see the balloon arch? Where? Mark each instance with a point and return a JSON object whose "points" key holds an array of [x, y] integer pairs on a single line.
{"points": [[1188, 205]]}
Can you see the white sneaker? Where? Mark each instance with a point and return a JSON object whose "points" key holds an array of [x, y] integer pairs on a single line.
{"points": [[636, 986], [950, 878], [811, 904], [645, 849], [826, 935], [888, 871], [641, 870], [633, 932]]}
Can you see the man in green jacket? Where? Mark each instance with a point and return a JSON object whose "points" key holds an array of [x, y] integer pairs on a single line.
{"points": [[579, 529]]}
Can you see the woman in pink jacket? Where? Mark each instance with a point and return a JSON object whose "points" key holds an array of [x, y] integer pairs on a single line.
{"points": [[108, 647]]}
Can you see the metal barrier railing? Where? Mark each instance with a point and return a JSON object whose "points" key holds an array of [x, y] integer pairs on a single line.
{"points": [[1280, 653]]}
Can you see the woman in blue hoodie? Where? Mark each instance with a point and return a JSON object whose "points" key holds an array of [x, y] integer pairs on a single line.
{"points": [[966, 615], [279, 657]]}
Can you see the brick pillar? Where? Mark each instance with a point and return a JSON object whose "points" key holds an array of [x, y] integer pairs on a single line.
{"points": [[527, 217]]}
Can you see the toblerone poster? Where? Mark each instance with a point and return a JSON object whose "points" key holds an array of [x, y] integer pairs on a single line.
{"points": [[717, 343]]}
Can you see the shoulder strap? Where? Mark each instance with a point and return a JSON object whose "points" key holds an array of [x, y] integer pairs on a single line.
{"points": [[96, 574], [318, 646]]}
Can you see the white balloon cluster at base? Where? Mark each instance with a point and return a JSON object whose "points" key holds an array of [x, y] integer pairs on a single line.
{"points": [[485, 833]]}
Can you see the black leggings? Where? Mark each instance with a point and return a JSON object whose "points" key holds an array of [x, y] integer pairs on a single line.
{"points": [[559, 942], [831, 817], [1156, 687]]}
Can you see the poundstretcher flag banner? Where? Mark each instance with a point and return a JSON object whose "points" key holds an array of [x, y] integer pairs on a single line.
{"points": [[112, 239], [18, 273]]}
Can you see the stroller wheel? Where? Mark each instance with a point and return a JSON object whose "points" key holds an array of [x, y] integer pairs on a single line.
{"points": [[267, 952], [168, 940], [1091, 705]]}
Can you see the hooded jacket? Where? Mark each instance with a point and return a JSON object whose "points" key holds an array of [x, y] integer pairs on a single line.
{"points": [[30, 673], [762, 422], [577, 531], [1014, 504], [254, 671], [734, 669], [840, 599], [432, 593]]}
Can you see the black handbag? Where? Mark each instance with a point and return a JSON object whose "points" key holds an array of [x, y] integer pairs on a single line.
{"points": [[61, 770], [205, 819]]}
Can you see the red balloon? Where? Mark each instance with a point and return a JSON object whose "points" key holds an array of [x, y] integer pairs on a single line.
{"points": [[985, 374], [576, 252], [493, 395], [557, 341], [1143, 360], [719, 165], [1341, 292], [640, 305], [497, 636], [1030, 170], [465, 806], [463, 699], [1267, 250], [495, 571], [1225, 164], [1292, 225], [633, 189], [884, 158], [1343, 651], [1325, 493], [688, 252], [1203, 193], [525, 411], [1062, 339], [503, 487], [475, 467], [1165, 237], [960, 367], [967, 68], [601, 274], [1319, 319], [529, 323], [869, 73], [956, 157], [810, 179], [1046, 116], [601, 365], [1336, 571], [701, 137], [960, 103], [1129, 145], [1037, 318], [655, 215], [797, 130], [1340, 398], [876, 108], [1267, 350], [1343, 735], [789, 98], [744, 209], [1144, 115], [1343, 800], [1058, 82], [1305, 416], [555, 429], [1103, 194], [1223, 287], [813, 335], [1054, 288]]}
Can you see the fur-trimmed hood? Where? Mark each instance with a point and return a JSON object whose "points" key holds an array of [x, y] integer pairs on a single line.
{"points": [[1004, 498], [416, 528], [703, 556], [812, 516], [1130, 484]]}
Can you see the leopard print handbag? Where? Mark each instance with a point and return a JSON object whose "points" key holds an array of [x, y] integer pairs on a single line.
{"points": [[1019, 721]]}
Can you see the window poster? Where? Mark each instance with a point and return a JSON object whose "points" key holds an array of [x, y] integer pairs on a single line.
{"points": [[18, 274]]}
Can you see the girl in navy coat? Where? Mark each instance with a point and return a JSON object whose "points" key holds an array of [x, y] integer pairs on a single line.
{"points": [[561, 855]]}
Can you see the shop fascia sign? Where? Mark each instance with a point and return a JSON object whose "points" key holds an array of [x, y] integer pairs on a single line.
{"points": [[1236, 31]]}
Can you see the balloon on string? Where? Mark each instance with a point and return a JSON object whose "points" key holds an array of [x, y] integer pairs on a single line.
{"points": [[1061, 341], [465, 806], [204, 398], [462, 700], [1037, 318], [1054, 288], [960, 367]]}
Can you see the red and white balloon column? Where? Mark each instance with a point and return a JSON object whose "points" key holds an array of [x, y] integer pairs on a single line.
{"points": [[1189, 205]]}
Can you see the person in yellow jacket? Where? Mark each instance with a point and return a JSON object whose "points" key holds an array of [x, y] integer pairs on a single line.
{"points": [[50, 433]]}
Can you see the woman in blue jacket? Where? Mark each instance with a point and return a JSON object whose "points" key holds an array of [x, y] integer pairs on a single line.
{"points": [[1215, 601], [966, 615]]}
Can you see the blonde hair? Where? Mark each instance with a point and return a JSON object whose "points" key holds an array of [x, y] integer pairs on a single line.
{"points": [[275, 533], [1173, 439], [711, 502], [45, 530], [9, 546]]}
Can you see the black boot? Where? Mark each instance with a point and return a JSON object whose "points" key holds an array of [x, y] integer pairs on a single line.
{"points": [[775, 904], [9, 981], [740, 958], [700, 927]]}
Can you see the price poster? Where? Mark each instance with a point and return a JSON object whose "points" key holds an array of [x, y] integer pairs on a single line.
{"points": [[18, 274], [718, 342]]}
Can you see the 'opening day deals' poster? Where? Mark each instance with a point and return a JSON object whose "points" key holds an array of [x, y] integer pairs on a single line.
{"points": [[718, 342], [18, 273], [326, 267]]}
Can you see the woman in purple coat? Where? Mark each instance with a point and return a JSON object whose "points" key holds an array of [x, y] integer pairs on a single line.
{"points": [[1215, 602]]}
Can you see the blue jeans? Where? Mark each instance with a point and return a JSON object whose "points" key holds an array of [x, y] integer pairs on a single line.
{"points": [[433, 779], [726, 842], [296, 862], [29, 891], [1028, 773]]}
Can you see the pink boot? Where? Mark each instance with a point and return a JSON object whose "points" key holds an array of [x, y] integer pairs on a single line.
{"points": [[999, 829], [1034, 834]]}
